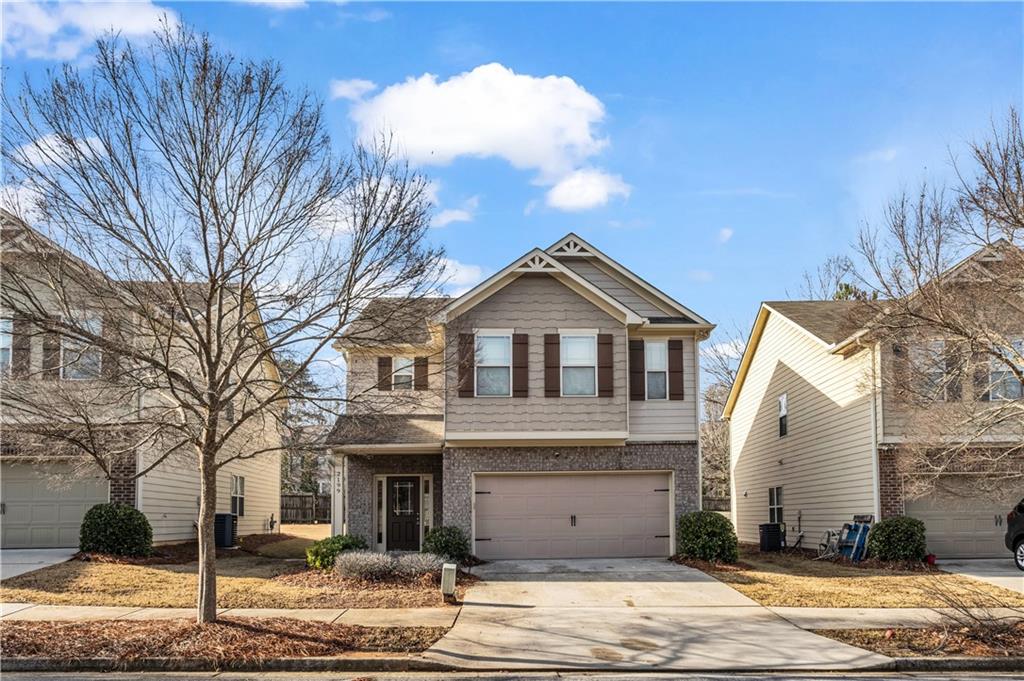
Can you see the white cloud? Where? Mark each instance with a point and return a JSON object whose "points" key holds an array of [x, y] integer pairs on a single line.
{"points": [[41, 152], [545, 123], [63, 31], [732, 349], [464, 213], [724, 234], [585, 189], [880, 155], [700, 276], [353, 89], [461, 277]]}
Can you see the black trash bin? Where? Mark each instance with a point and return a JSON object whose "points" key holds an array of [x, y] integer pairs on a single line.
{"points": [[771, 536], [225, 530]]}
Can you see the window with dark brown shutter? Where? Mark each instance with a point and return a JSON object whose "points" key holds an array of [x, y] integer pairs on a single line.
{"points": [[637, 375], [21, 347], [520, 365], [420, 371], [466, 363], [383, 373], [51, 356], [552, 365], [675, 369], [605, 375]]}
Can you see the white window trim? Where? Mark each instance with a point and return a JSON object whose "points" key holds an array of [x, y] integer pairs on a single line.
{"points": [[993, 363], [9, 334], [493, 333], [64, 365], [238, 491], [647, 397], [783, 412], [776, 506], [576, 333], [380, 483], [410, 372]]}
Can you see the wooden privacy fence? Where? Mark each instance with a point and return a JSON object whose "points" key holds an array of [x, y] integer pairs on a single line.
{"points": [[305, 508]]}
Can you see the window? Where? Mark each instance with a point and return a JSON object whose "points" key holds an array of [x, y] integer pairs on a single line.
{"points": [[402, 498], [579, 365], [656, 362], [238, 495], [775, 504], [6, 330], [1004, 382], [402, 377], [929, 361], [494, 365], [81, 361], [783, 414]]}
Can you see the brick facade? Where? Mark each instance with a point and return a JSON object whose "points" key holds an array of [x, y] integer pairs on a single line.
{"points": [[461, 462], [123, 482], [359, 472], [890, 484]]}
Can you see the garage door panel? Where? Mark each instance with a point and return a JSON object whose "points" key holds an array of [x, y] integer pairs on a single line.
{"points": [[42, 509], [616, 514], [960, 523]]}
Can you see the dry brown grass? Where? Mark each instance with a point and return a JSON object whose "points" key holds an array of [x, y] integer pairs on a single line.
{"points": [[930, 642], [793, 579], [308, 531], [244, 581], [276, 545], [228, 639]]}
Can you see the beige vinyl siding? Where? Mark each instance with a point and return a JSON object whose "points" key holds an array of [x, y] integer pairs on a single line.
{"points": [[661, 420], [361, 384], [536, 305], [612, 283], [826, 462]]}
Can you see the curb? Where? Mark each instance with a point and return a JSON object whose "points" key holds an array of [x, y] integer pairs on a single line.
{"points": [[416, 664]]}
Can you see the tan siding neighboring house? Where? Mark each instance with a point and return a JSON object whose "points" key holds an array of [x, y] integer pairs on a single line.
{"points": [[825, 462]]}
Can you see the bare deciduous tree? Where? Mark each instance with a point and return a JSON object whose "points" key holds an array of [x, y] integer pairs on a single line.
{"points": [[719, 361], [194, 223], [948, 270]]}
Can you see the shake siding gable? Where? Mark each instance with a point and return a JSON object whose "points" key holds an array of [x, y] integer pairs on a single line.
{"points": [[826, 462]]}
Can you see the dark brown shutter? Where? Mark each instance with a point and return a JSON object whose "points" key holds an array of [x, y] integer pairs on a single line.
{"points": [[520, 365], [384, 372], [420, 369], [675, 369], [637, 374], [467, 363], [981, 376], [605, 375], [955, 361], [109, 360], [51, 355], [552, 365], [21, 347]]}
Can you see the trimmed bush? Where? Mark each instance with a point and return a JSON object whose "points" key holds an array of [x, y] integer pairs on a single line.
{"points": [[449, 542], [367, 565], [900, 538], [116, 529], [707, 535], [322, 554], [419, 564]]}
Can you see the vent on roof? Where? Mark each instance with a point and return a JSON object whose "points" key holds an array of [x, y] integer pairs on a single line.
{"points": [[670, 320]]}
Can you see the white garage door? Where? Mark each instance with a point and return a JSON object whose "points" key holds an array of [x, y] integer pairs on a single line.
{"points": [[960, 523], [43, 507], [578, 515]]}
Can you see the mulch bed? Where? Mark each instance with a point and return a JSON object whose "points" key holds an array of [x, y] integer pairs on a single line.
{"points": [[388, 593], [706, 565], [227, 639], [933, 642], [252, 542]]}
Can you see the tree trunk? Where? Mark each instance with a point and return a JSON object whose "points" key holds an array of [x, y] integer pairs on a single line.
{"points": [[207, 600]]}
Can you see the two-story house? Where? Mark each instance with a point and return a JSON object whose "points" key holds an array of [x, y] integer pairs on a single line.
{"points": [[47, 486], [550, 412], [819, 416]]}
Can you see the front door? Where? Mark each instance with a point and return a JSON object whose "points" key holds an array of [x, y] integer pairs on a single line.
{"points": [[403, 513]]}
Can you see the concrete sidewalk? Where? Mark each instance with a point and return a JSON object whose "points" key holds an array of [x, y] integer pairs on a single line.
{"points": [[366, 617]]}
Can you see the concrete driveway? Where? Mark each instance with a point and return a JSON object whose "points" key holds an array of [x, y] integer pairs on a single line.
{"points": [[14, 562], [638, 614], [999, 571]]}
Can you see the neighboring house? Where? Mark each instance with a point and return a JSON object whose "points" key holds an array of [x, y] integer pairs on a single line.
{"points": [[45, 489], [550, 412], [815, 429]]}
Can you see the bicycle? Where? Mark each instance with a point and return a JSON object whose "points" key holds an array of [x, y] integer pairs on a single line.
{"points": [[828, 545]]}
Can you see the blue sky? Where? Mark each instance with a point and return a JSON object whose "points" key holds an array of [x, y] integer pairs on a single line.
{"points": [[718, 150]]}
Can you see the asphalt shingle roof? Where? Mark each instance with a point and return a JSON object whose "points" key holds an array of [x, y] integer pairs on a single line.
{"points": [[829, 320], [395, 321], [387, 429]]}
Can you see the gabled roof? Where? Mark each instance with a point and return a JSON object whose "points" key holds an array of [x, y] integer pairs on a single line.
{"points": [[537, 261], [572, 245]]}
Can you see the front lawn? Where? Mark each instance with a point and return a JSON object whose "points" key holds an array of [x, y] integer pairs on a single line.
{"points": [[934, 642], [226, 640], [276, 545], [796, 580], [244, 581]]}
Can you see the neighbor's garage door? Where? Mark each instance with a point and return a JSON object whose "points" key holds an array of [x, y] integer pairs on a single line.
{"points": [[960, 523], [586, 515], [43, 507]]}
